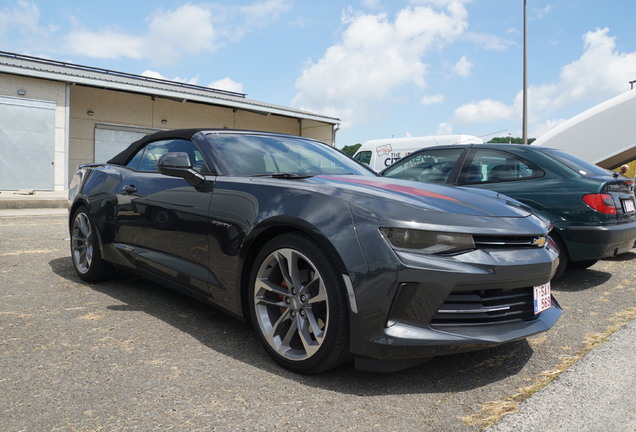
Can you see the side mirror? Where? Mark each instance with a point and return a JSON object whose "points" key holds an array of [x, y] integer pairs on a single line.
{"points": [[178, 164]]}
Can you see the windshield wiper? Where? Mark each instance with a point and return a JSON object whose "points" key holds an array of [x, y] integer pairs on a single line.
{"points": [[283, 175]]}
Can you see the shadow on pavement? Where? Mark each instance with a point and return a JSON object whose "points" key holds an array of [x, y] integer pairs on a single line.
{"points": [[574, 280], [230, 337]]}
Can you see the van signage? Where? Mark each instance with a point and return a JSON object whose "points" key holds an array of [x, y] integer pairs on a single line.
{"points": [[394, 157], [383, 150]]}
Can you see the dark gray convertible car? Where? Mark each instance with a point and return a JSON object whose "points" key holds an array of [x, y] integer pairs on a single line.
{"points": [[327, 260]]}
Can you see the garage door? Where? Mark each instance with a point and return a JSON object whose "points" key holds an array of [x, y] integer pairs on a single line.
{"points": [[27, 144], [111, 140]]}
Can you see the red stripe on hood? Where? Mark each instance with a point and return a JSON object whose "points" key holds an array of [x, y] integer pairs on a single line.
{"points": [[393, 187]]}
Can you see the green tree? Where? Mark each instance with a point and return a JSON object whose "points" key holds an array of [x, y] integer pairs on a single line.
{"points": [[507, 140], [351, 149]]}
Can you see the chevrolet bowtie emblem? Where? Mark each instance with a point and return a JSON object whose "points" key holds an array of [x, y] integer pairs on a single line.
{"points": [[539, 241]]}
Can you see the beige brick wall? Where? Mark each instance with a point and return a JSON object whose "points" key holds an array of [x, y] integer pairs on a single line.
{"points": [[91, 105]]}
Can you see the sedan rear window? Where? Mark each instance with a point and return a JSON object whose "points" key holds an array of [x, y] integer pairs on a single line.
{"points": [[580, 166]]}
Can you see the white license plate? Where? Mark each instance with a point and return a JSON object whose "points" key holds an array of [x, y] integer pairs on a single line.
{"points": [[542, 298], [628, 205]]}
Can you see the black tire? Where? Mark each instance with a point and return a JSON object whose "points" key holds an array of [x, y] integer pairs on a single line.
{"points": [[298, 305], [87, 259], [582, 264], [564, 257]]}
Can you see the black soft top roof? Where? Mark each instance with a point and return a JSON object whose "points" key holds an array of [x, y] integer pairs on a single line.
{"points": [[123, 157]]}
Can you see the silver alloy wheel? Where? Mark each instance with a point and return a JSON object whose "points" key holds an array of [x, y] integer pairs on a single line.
{"points": [[82, 246], [291, 304]]}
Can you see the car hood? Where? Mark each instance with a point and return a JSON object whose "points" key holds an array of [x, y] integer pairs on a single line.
{"points": [[457, 200]]}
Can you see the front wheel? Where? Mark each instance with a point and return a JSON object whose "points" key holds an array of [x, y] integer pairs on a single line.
{"points": [[298, 305], [87, 259], [564, 257]]}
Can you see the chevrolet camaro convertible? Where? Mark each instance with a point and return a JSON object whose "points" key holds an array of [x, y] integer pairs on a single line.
{"points": [[327, 260]]}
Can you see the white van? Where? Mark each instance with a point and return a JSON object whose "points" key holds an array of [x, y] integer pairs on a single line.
{"points": [[380, 153]]}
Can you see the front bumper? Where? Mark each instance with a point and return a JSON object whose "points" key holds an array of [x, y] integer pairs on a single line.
{"points": [[599, 241], [493, 289]]}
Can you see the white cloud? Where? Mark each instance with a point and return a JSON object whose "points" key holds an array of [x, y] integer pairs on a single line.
{"points": [[187, 29], [483, 111], [105, 44], [227, 84], [157, 75], [489, 42], [600, 73], [444, 129], [463, 67], [432, 99], [236, 21], [262, 12], [541, 13], [438, 3], [171, 34], [371, 4], [24, 19], [376, 57]]}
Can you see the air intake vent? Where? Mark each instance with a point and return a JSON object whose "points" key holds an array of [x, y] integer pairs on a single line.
{"points": [[486, 307]]}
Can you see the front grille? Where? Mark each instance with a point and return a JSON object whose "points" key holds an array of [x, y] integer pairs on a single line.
{"points": [[481, 307], [509, 241]]}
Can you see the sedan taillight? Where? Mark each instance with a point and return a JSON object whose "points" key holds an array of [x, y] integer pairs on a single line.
{"points": [[600, 202]]}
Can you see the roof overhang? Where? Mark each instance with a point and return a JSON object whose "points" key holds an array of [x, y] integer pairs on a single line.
{"points": [[52, 70]]}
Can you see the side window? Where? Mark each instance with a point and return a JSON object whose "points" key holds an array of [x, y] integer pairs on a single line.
{"points": [[364, 157], [430, 166], [492, 166], [146, 158]]}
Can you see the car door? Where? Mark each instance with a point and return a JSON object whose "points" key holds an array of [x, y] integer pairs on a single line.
{"points": [[161, 221], [510, 174]]}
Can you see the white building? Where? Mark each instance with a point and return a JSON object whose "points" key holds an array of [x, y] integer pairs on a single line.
{"points": [[55, 115]]}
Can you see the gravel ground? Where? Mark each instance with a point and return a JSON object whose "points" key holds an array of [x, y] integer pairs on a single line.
{"points": [[129, 355]]}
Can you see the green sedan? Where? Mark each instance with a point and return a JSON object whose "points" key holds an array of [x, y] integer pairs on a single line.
{"points": [[592, 209]]}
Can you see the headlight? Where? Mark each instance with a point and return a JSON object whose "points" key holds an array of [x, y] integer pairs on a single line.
{"points": [[428, 242]]}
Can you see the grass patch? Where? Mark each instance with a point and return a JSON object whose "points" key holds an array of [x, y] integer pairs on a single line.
{"points": [[491, 412]]}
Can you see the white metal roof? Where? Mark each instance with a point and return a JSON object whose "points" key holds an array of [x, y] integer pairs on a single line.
{"points": [[604, 134], [35, 67]]}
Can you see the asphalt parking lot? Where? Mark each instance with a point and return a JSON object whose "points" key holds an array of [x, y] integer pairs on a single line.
{"points": [[129, 355]]}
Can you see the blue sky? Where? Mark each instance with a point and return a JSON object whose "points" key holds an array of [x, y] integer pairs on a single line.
{"points": [[386, 68]]}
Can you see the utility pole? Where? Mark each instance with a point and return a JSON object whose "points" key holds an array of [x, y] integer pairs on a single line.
{"points": [[524, 115]]}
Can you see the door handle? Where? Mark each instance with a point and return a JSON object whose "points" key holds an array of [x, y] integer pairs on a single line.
{"points": [[129, 189]]}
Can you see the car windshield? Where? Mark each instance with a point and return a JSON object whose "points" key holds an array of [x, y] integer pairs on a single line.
{"points": [[580, 166], [252, 155]]}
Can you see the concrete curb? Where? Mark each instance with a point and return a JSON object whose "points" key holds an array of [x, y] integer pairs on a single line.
{"points": [[11, 200]]}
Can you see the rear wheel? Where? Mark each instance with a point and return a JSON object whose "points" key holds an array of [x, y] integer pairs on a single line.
{"points": [[87, 259], [298, 305]]}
